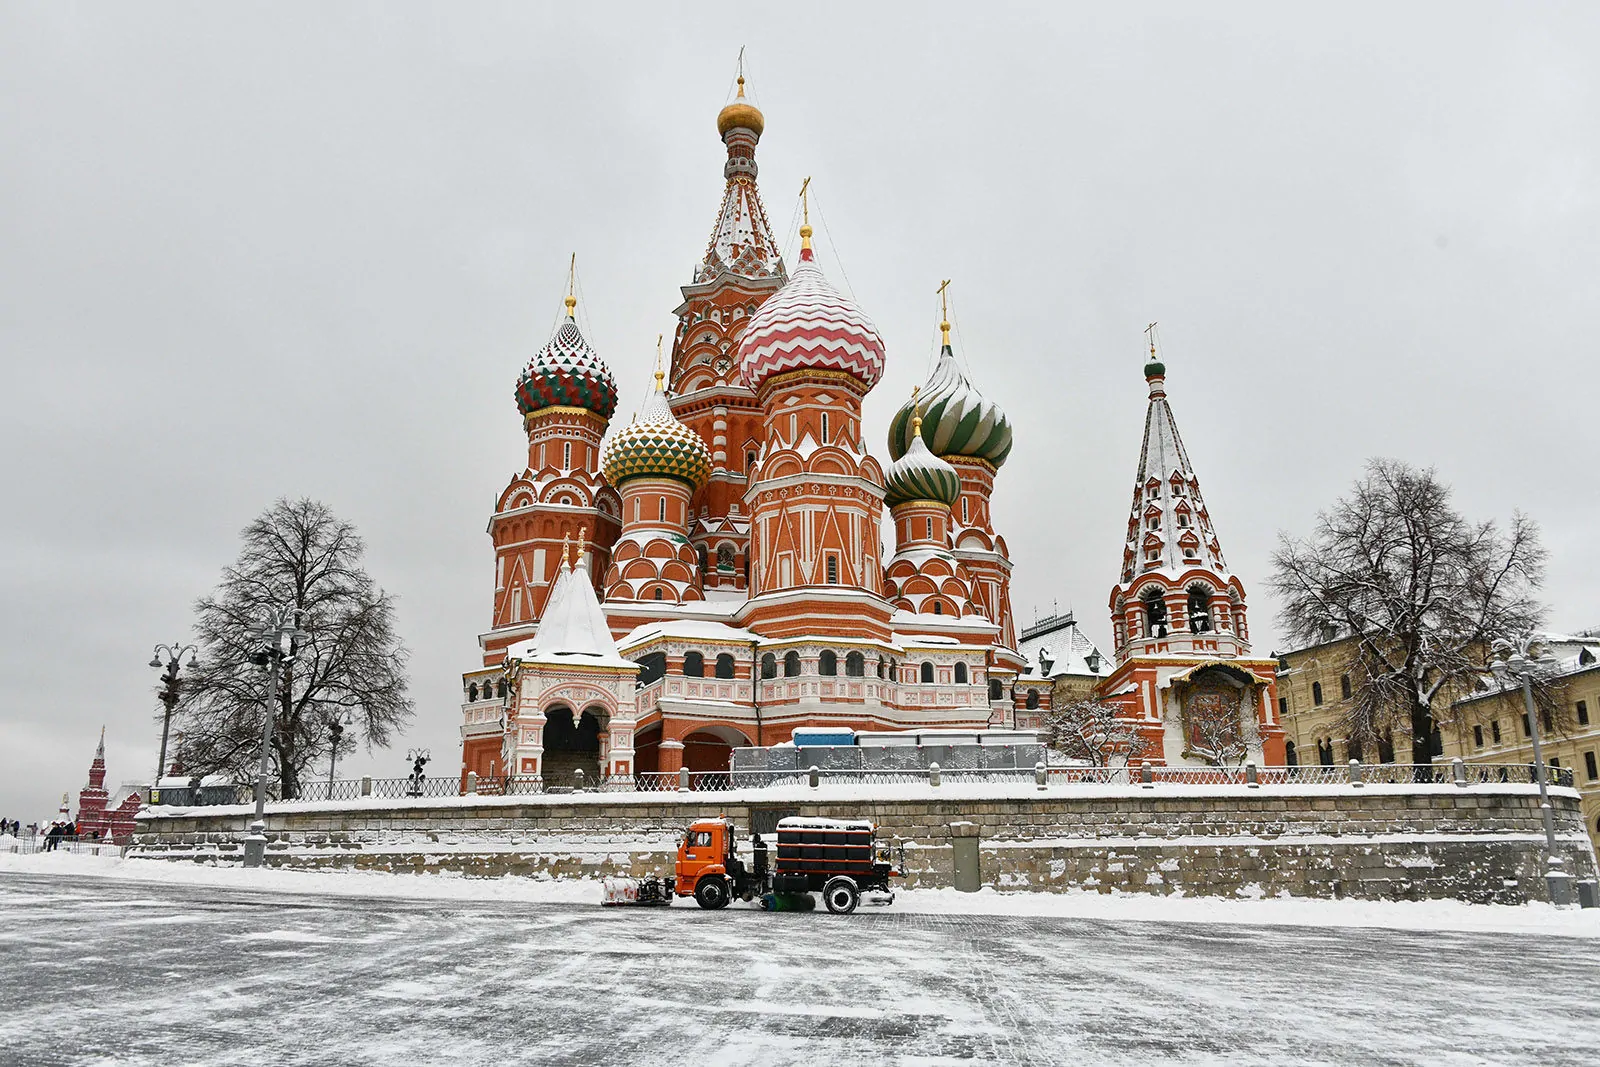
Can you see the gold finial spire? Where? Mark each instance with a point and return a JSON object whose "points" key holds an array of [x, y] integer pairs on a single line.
{"points": [[583, 534], [805, 210], [566, 551], [572, 276], [944, 314], [916, 411], [1150, 332], [660, 374]]}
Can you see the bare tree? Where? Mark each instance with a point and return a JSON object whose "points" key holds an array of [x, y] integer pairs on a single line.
{"points": [[1216, 733], [1092, 731], [1424, 593], [351, 667]]}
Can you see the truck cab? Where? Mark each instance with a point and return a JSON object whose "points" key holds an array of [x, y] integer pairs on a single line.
{"points": [[707, 867]]}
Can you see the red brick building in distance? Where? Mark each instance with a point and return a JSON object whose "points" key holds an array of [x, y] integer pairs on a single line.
{"points": [[97, 817], [712, 574]]}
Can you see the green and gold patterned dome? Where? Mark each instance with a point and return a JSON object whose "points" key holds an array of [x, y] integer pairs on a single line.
{"points": [[957, 420], [920, 475], [656, 445]]}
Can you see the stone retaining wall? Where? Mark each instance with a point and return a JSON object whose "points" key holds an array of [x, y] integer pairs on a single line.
{"points": [[1484, 843]]}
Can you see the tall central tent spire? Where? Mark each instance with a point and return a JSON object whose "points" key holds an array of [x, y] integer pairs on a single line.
{"points": [[741, 241]]}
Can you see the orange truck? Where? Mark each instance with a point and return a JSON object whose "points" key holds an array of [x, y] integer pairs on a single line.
{"points": [[840, 859]]}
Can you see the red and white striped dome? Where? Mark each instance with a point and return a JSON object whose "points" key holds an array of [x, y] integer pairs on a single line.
{"points": [[808, 325]]}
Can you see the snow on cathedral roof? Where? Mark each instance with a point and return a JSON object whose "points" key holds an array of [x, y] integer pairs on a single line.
{"points": [[1060, 649], [1169, 528], [741, 241], [573, 629]]}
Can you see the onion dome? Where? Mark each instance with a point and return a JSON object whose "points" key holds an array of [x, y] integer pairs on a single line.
{"points": [[567, 373], [809, 325], [740, 113], [920, 475], [656, 445], [957, 419]]}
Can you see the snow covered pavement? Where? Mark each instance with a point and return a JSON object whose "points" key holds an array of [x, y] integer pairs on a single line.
{"points": [[148, 963]]}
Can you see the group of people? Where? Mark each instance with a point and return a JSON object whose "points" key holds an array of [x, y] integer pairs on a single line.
{"points": [[13, 828]]}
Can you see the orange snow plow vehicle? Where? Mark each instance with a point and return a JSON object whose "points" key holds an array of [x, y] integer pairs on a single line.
{"points": [[840, 859]]}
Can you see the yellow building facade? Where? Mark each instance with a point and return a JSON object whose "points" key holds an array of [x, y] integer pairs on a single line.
{"points": [[1315, 686]]}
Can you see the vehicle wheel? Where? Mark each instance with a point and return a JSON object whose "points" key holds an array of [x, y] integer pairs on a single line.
{"points": [[841, 895], [711, 893]]}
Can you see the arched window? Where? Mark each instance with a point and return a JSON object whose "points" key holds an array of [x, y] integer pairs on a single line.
{"points": [[927, 672], [661, 509], [700, 552], [658, 592], [769, 666], [1289, 756], [501, 688], [1316, 693], [833, 569], [694, 665], [828, 663], [1033, 699], [791, 664], [961, 674], [855, 665], [472, 693], [881, 666], [749, 461], [725, 665], [938, 608], [1199, 609], [725, 557], [1155, 612], [996, 690]]}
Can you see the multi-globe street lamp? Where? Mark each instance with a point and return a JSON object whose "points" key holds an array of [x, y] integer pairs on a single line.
{"points": [[174, 654], [279, 638], [1520, 661]]}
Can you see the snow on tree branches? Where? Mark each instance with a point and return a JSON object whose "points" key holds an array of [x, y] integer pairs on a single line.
{"points": [[1424, 593], [1093, 732], [351, 667]]}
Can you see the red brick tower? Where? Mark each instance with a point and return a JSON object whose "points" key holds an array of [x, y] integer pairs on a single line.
{"points": [[816, 496], [740, 269], [93, 798], [567, 397], [1178, 619]]}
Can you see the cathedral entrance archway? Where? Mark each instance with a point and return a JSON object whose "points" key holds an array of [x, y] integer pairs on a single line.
{"points": [[572, 743], [710, 748]]}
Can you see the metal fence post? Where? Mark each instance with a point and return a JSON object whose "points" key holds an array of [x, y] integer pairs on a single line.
{"points": [[1355, 772], [472, 782], [577, 779], [1251, 778], [1147, 775], [933, 774], [1041, 776], [683, 779], [1458, 769], [366, 785], [814, 776]]}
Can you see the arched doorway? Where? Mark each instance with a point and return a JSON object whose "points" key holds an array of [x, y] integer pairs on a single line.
{"points": [[572, 745], [647, 750], [709, 749]]}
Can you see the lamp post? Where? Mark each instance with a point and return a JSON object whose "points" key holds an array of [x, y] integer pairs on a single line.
{"points": [[279, 638], [419, 758], [335, 731], [174, 654], [1520, 662]]}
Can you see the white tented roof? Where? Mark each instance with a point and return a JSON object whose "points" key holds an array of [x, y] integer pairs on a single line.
{"points": [[1053, 652], [573, 628]]}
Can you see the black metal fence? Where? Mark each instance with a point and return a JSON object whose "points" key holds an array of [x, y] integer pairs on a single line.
{"points": [[1454, 773]]}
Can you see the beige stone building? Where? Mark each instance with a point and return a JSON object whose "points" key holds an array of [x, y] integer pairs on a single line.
{"points": [[1314, 691]]}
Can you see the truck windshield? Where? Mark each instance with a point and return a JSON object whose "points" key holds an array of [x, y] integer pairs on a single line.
{"points": [[699, 839]]}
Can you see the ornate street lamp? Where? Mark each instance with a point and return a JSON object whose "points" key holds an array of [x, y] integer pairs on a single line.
{"points": [[419, 758], [336, 731], [280, 639], [174, 654], [1519, 661]]}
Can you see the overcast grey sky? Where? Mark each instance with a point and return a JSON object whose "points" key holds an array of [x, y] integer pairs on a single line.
{"points": [[303, 249]]}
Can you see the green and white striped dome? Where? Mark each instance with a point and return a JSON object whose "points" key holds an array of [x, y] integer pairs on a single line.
{"points": [[957, 420], [921, 475]]}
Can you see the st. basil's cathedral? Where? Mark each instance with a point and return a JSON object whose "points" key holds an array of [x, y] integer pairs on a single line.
{"points": [[712, 575]]}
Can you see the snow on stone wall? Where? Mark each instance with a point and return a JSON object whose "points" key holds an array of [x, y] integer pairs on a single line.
{"points": [[1484, 843]]}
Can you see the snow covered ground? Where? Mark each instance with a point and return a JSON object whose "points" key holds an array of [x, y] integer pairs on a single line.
{"points": [[146, 962]]}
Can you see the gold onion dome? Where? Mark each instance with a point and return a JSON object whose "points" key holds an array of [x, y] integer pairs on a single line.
{"points": [[657, 445], [920, 475], [740, 113]]}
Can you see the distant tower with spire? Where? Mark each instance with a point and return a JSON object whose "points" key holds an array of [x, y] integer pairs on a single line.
{"points": [[1180, 628], [741, 268]]}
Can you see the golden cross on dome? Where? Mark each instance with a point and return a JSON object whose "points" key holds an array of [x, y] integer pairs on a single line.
{"points": [[583, 533], [659, 374], [944, 313], [805, 210], [1150, 331], [572, 275], [916, 405], [566, 551]]}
